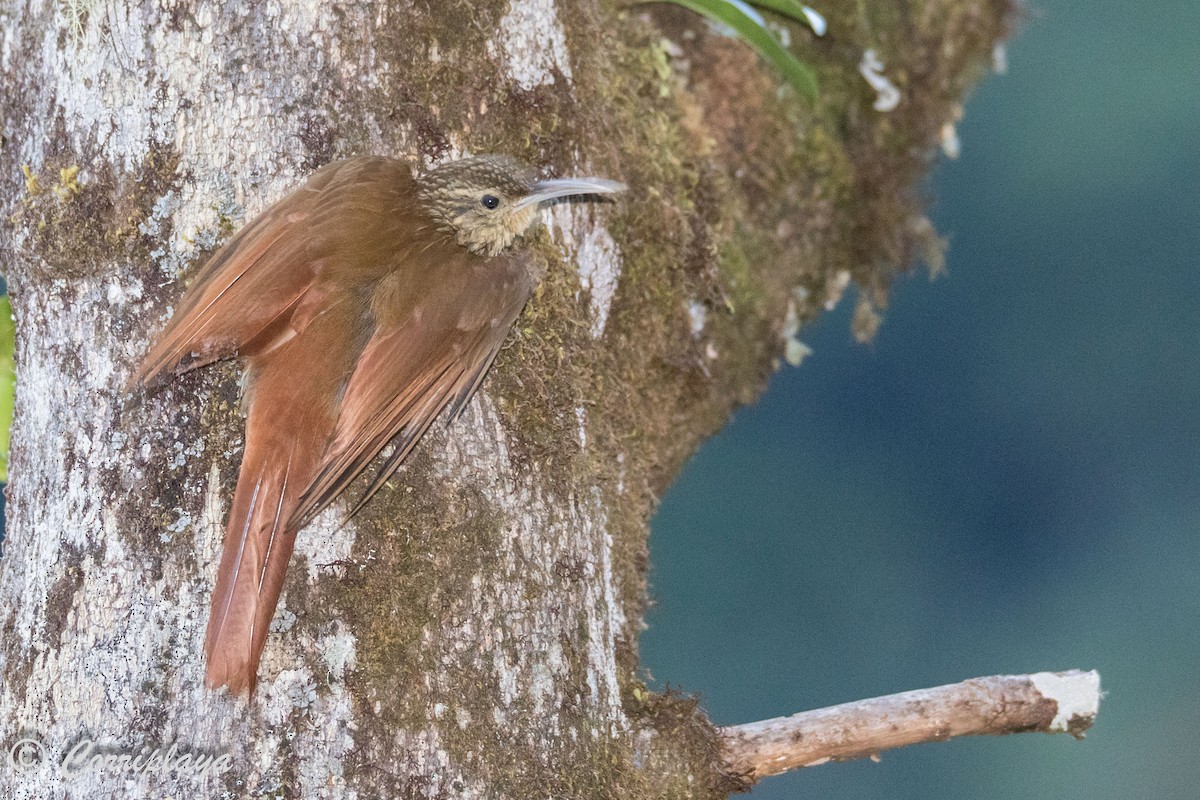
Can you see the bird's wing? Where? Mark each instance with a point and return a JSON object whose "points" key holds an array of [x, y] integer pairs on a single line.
{"points": [[433, 357], [247, 295]]}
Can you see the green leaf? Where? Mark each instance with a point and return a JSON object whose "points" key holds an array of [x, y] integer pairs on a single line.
{"points": [[8, 382], [746, 23], [796, 10]]}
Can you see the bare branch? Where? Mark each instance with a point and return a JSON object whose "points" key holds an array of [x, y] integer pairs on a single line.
{"points": [[1045, 702]]}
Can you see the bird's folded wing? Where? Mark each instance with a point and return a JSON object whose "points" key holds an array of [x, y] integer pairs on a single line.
{"points": [[406, 376], [395, 394], [246, 294]]}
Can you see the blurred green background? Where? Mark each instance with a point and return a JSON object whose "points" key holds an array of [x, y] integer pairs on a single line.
{"points": [[1008, 479]]}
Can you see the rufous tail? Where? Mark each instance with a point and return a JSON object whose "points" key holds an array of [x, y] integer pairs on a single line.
{"points": [[279, 463]]}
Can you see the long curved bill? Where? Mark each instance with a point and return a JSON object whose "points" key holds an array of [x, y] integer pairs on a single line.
{"points": [[545, 191]]}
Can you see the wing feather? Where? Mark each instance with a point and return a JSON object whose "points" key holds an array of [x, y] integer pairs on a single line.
{"points": [[410, 371], [247, 293]]}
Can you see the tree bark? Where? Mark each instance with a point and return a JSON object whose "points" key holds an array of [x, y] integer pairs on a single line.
{"points": [[473, 632]]}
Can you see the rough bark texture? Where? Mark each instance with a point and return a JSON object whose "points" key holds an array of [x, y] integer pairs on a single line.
{"points": [[473, 632]]}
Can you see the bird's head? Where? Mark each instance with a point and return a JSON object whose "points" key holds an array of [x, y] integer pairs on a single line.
{"points": [[488, 201]]}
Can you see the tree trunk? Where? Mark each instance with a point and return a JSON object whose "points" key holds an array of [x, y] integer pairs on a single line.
{"points": [[473, 633]]}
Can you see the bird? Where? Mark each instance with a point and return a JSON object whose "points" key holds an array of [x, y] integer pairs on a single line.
{"points": [[362, 305]]}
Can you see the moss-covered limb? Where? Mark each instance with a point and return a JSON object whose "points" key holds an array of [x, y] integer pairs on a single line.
{"points": [[473, 633]]}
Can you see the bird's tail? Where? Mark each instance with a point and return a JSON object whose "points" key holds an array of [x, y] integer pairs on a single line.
{"points": [[258, 546], [253, 566]]}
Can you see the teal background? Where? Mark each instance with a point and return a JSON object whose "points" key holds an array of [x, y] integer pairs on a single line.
{"points": [[1008, 479]]}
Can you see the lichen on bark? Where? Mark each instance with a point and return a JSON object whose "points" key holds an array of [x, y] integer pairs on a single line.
{"points": [[473, 633]]}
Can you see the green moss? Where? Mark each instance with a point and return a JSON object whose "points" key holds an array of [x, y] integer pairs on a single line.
{"points": [[84, 218], [437, 544]]}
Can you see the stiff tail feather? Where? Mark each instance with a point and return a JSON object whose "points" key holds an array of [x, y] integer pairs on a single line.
{"points": [[258, 546], [289, 423]]}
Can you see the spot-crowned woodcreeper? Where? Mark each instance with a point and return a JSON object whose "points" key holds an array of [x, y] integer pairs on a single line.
{"points": [[363, 304]]}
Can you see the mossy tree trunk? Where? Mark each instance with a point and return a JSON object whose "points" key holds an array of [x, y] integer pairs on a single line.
{"points": [[472, 633]]}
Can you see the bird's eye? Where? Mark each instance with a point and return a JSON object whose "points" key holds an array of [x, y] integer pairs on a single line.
{"points": [[490, 201]]}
